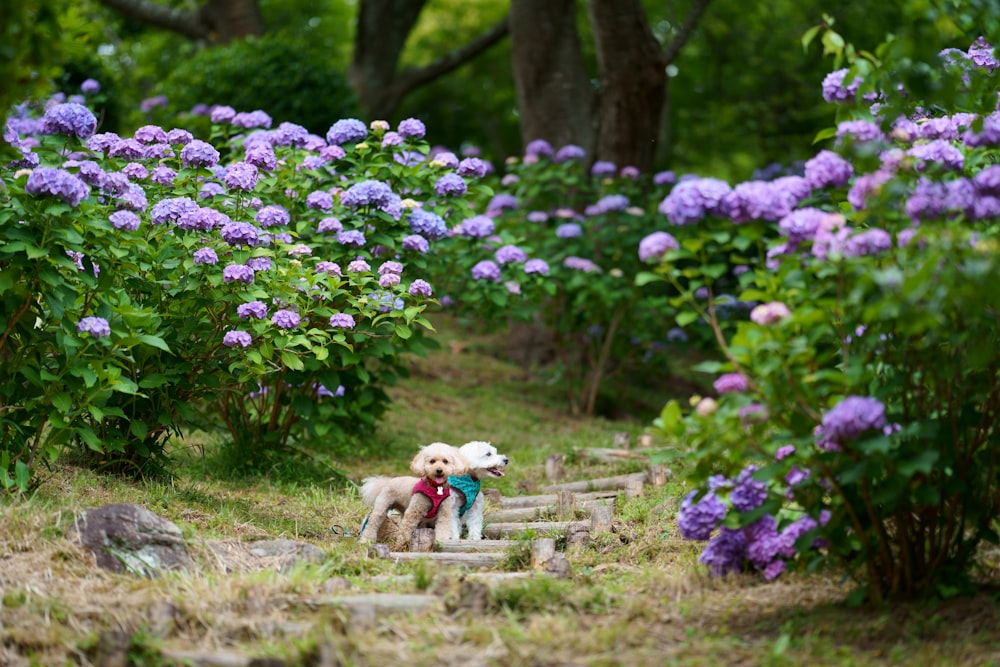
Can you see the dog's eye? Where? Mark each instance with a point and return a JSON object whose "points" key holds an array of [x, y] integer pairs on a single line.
{"points": [[488, 454]]}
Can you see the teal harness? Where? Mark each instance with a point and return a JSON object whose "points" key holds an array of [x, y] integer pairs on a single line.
{"points": [[469, 488]]}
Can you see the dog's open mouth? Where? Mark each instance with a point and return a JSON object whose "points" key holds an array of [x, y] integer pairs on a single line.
{"points": [[496, 472], [441, 479]]}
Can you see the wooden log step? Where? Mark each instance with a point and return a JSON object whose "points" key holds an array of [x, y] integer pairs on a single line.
{"points": [[539, 512], [468, 559], [495, 530], [467, 546], [383, 603], [609, 455], [604, 483], [552, 498]]}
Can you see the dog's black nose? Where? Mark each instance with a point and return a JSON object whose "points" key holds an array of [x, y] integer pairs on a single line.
{"points": [[505, 460]]}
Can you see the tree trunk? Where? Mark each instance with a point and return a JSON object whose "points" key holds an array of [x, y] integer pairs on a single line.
{"points": [[232, 19], [555, 98], [217, 21], [632, 82]]}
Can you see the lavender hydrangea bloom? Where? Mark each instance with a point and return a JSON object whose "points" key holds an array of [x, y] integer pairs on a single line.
{"points": [[70, 118], [251, 119], [240, 233], [801, 224], [501, 202], [982, 55], [581, 264], [869, 242], [411, 128], [391, 139], [134, 199], [259, 264], [129, 149], [102, 141], [272, 215], [472, 167], [342, 321], [445, 159], [163, 176], [747, 493], [367, 193], [538, 148], [848, 419], [610, 203], [331, 268], [90, 87], [569, 230], [450, 185], [290, 134], [696, 521], [172, 209], [390, 267], [235, 338], [478, 227], [655, 245], [222, 114], [569, 152], [828, 169], [255, 309], [351, 237], [150, 134], [427, 224], [57, 183], [760, 200], [988, 135], [329, 225], [285, 319], [262, 156], [730, 383], [834, 89], [135, 171], [486, 270], [940, 151], [199, 154], [725, 552], [237, 273], [865, 185], [538, 216], [693, 199], [509, 253], [859, 130], [661, 178], [319, 200], [603, 168], [179, 137], [386, 301], [415, 242], [420, 288], [205, 256], [241, 176], [768, 313], [97, 327], [126, 220], [347, 130], [114, 183], [539, 266]]}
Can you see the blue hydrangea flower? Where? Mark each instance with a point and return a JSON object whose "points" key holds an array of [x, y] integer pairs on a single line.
{"points": [[415, 242], [272, 215], [240, 233], [472, 167], [450, 185], [411, 128], [428, 225], [747, 493], [199, 154], [351, 237], [347, 130], [693, 199], [367, 193], [569, 230], [57, 183], [725, 553], [71, 119]]}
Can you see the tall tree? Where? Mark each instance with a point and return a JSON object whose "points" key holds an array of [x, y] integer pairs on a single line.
{"points": [[217, 21]]}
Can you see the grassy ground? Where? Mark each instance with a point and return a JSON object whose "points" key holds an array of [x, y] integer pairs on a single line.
{"points": [[636, 596]]}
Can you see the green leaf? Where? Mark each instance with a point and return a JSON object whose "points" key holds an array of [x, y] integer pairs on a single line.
{"points": [[809, 35], [403, 331], [647, 277], [291, 361], [321, 352], [90, 439], [670, 418], [62, 402], [921, 463], [138, 428], [154, 341], [96, 412], [825, 134], [686, 317]]}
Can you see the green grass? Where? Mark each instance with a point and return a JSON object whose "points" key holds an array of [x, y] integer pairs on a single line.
{"points": [[637, 596]]}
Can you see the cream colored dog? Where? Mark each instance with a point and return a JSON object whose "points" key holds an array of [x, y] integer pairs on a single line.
{"points": [[425, 501]]}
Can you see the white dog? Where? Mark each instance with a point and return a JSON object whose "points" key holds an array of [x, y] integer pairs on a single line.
{"points": [[424, 501], [484, 462]]}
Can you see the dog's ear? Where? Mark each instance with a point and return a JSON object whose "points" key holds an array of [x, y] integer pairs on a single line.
{"points": [[461, 464], [418, 463]]}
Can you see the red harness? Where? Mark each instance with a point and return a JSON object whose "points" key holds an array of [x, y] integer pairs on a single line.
{"points": [[435, 493]]}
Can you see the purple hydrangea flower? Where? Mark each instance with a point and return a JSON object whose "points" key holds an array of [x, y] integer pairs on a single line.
{"points": [[443, 158], [859, 130], [538, 217], [415, 242], [135, 171], [102, 142], [351, 237], [97, 327], [696, 521], [254, 309], [262, 156], [730, 383], [869, 242], [150, 134], [258, 264], [57, 183], [249, 120], [129, 149], [367, 193], [411, 128], [179, 137], [725, 552], [285, 319], [801, 224], [768, 313], [235, 338], [237, 273], [329, 225], [290, 134], [134, 199], [205, 256], [211, 189], [151, 103], [828, 169], [940, 151], [114, 183], [359, 266], [238, 233], [126, 220], [477, 227], [538, 148], [163, 176], [661, 178], [427, 224], [221, 114], [172, 210], [834, 89], [539, 266], [509, 253], [70, 118], [331, 268], [391, 139], [569, 152], [472, 167], [241, 176], [420, 288], [450, 185], [502, 201], [347, 130], [320, 200], [342, 321], [486, 270], [747, 493], [386, 302], [581, 264], [272, 215], [850, 418], [693, 199], [199, 154], [390, 267], [655, 245], [603, 168], [387, 280], [90, 87], [753, 413]]}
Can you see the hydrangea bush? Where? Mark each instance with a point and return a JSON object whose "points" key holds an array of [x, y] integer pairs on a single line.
{"points": [[855, 414], [263, 275]]}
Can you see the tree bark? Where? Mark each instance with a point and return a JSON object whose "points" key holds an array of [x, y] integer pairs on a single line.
{"points": [[555, 97], [217, 21], [632, 82]]}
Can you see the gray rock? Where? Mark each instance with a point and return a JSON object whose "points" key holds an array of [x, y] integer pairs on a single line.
{"points": [[130, 538]]}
